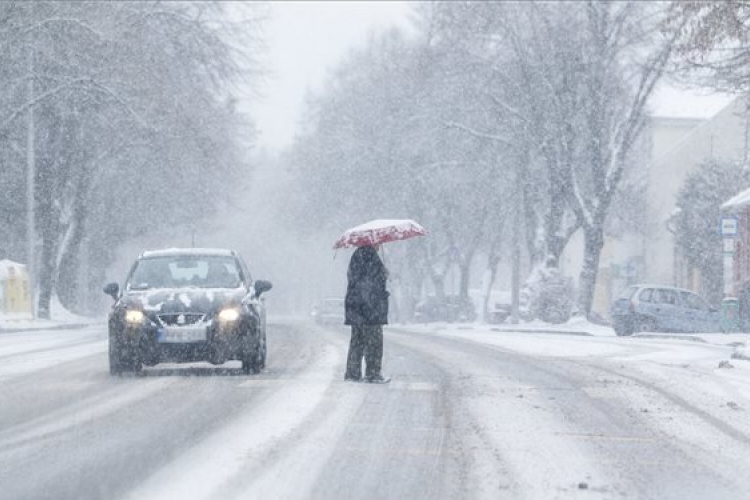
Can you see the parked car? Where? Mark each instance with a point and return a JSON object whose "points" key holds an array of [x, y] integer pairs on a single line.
{"points": [[451, 308], [656, 308], [187, 305], [329, 311]]}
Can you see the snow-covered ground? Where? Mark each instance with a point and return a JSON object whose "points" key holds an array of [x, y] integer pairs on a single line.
{"points": [[60, 318], [740, 342], [473, 411], [711, 370]]}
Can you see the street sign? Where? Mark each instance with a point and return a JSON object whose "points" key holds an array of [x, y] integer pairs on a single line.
{"points": [[729, 226]]}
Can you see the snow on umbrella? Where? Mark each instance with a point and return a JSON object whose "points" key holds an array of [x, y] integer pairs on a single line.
{"points": [[379, 231]]}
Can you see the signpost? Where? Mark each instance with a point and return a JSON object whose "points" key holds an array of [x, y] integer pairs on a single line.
{"points": [[729, 230], [729, 226]]}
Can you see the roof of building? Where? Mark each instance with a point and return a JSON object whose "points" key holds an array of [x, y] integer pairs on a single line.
{"points": [[737, 202]]}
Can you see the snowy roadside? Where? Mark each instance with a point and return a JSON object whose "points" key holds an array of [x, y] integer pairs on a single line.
{"points": [[61, 318], [582, 328], [711, 370]]}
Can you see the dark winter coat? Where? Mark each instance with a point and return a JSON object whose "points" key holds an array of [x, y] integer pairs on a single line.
{"points": [[366, 297]]}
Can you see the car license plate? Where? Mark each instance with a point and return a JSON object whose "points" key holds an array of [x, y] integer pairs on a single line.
{"points": [[182, 335]]}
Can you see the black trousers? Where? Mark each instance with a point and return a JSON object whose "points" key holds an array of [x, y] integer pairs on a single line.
{"points": [[367, 342]]}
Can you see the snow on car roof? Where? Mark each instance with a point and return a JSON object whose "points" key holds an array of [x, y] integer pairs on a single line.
{"points": [[169, 252], [652, 285]]}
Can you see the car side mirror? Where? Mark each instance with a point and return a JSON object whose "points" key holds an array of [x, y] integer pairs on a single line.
{"points": [[261, 287], [112, 289]]}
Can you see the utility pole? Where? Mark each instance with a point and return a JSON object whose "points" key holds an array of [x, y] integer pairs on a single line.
{"points": [[515, 284], [30, 173]]}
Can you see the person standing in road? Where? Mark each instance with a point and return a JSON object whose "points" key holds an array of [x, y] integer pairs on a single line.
{"points": [[366, 306]]}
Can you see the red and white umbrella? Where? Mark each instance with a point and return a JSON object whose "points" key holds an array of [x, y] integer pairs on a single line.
{"points": [[379, 231]]}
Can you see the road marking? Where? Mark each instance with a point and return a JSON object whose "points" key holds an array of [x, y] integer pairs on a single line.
{"points": [[605, 437], [414, 386]]}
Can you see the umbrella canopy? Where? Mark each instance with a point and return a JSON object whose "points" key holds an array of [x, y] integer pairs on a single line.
{"points": [[379, 231]]}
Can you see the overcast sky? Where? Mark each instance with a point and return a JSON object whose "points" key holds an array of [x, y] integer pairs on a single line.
{"points": [[306, 39]]}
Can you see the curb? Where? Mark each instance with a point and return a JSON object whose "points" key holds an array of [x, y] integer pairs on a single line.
{"points": [[669, 337], [574, 333]]}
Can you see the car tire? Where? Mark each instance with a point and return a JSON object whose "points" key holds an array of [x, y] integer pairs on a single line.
{"points": [[254, 360], [263, 352], [623, 329], [118, 365], [646, 325], [250, 364], [115, 366]]}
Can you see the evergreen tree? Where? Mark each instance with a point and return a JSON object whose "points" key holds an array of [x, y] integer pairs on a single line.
{"points": [[699, 209]]}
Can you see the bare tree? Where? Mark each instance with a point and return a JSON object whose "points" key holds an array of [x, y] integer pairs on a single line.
{"points": [[135, 119], [712, 46]]}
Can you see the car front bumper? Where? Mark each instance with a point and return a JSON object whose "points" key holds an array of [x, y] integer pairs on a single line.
{"points": [[218, 343]]}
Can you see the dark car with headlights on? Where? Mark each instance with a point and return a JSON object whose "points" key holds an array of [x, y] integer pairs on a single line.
{"points": [[187, 305]]}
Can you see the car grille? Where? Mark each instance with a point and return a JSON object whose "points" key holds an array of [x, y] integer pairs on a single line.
{"points": [[180, 319]]}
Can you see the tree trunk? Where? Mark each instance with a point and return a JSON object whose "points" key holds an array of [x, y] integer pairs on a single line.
{"points": [[492, 261], [464, 267], [438, 281], [594, 241], [465, 277], [46, 275], [47, 229], [67, 284], [68, 280]]}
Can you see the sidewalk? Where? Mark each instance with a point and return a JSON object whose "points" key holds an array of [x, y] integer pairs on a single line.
{"points": [[61, 319]]}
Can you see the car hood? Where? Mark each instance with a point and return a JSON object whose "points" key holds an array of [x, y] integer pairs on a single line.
{"points": [[179, 300]]}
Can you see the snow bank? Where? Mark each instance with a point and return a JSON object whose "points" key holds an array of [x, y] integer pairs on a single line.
{"points": [[741, 352], [576, 326], [59, 317]]}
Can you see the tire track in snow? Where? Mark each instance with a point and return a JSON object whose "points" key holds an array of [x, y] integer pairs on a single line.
{"points": [[81, 413], [209, 465], [509, 457], [610, 427]]}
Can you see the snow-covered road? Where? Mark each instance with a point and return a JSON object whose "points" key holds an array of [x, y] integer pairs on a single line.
{"points": [[469, 414]]}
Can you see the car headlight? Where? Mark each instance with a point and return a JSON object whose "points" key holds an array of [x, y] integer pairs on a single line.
{"points": [[228, 315], [134, 316]]}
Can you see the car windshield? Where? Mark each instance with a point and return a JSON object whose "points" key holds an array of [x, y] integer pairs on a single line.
{"points": [[185, 272]]}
